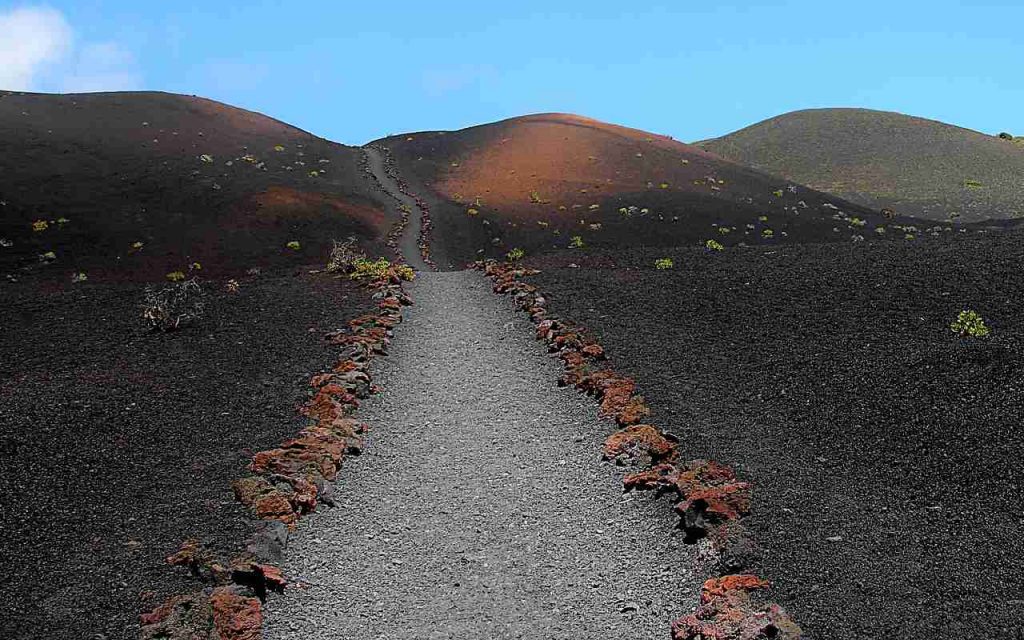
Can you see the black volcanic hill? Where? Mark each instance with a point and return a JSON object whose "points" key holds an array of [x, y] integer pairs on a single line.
{"points": [[190, 179], [879, 159], [537, 181]]}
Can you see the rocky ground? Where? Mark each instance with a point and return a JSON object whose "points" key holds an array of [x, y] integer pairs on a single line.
{"points": [[480, 507], [883, 449], [117, 443]]}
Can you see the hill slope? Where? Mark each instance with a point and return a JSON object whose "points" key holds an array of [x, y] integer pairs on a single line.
{"points": [[880, 159], [536, 181], [191, 179]]}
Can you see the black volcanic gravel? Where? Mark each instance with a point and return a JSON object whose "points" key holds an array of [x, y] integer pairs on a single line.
{"points": [[886, 453], [116, 444]]}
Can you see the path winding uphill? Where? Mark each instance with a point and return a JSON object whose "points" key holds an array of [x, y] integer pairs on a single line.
{"points": [[480, 508], [408, 242]]}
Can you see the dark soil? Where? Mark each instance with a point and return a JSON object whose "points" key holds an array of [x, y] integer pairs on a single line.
{"points": [[881, 159], [122, 168], [885, 451], [117, 443]]}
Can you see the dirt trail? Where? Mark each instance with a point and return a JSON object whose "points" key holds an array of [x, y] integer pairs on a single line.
{"points": [[480, 508], [408, 244]]}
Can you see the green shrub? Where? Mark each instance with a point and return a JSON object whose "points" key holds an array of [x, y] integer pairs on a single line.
{"points": [[405, 272], [713, 245], [576, 242], [515, 254], [663, 263], [294, 245], [1005, 136], [969, 324], [973, 184], [365, 268]]}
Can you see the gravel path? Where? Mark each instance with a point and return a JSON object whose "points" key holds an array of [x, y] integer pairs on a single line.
{"points": [[409, 242], [480, 508]]}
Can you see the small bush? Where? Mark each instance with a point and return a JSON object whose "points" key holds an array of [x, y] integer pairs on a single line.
{"points": [[713, 245], [405, 272], [365, 268], [663, 263], [973, 184], [969, 324], [515, 254], [40, 225], [176, 276], [294, 245], [173, 306], [1006, 136], [344, 256], [576, 242]]}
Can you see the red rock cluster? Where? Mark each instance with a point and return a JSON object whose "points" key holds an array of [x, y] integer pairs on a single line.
{"points": [[710, 500], [726, 610], [287, 482]]}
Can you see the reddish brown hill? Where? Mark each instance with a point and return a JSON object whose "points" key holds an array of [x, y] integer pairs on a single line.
{"points": [[191, 179], [538, 180]]}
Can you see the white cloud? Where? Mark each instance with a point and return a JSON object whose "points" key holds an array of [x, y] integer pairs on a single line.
{"points": [[38, 52], [32, 38], [102, 67]]}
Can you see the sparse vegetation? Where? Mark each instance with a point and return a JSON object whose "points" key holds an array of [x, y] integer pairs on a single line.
{"points": [[515, 254], [969, 324], [576, 242], [365, 268], [294, 245], [344, 256], [973, 184], [713, 245], [174, 305], [176, 276], [663, 263]]}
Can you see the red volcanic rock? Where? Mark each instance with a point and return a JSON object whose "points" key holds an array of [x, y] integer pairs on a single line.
{"points": [[275, 506], [186, 617], [699, 474], [235, 616], [572, 358], [727, 586], [191, 554], [616, 394], [595, 351], [346, 366], [712, 505], [658, 478], [638, 441], [390, 303], [634, 412], [726, 612], [320, 380]]}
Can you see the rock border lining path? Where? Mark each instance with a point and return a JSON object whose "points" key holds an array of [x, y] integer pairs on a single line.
{"points": [[711, 501], [287, 483]]}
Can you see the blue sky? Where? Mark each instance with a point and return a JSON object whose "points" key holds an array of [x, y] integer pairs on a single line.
{"points": [[355, 71]]}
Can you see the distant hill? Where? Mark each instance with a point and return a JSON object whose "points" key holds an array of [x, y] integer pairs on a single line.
{"points": [[190, 179], [536, 181], [880, 159]]}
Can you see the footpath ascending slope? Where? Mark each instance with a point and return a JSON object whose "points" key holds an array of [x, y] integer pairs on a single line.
{"points": [[410, 238], [479, 508]]}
